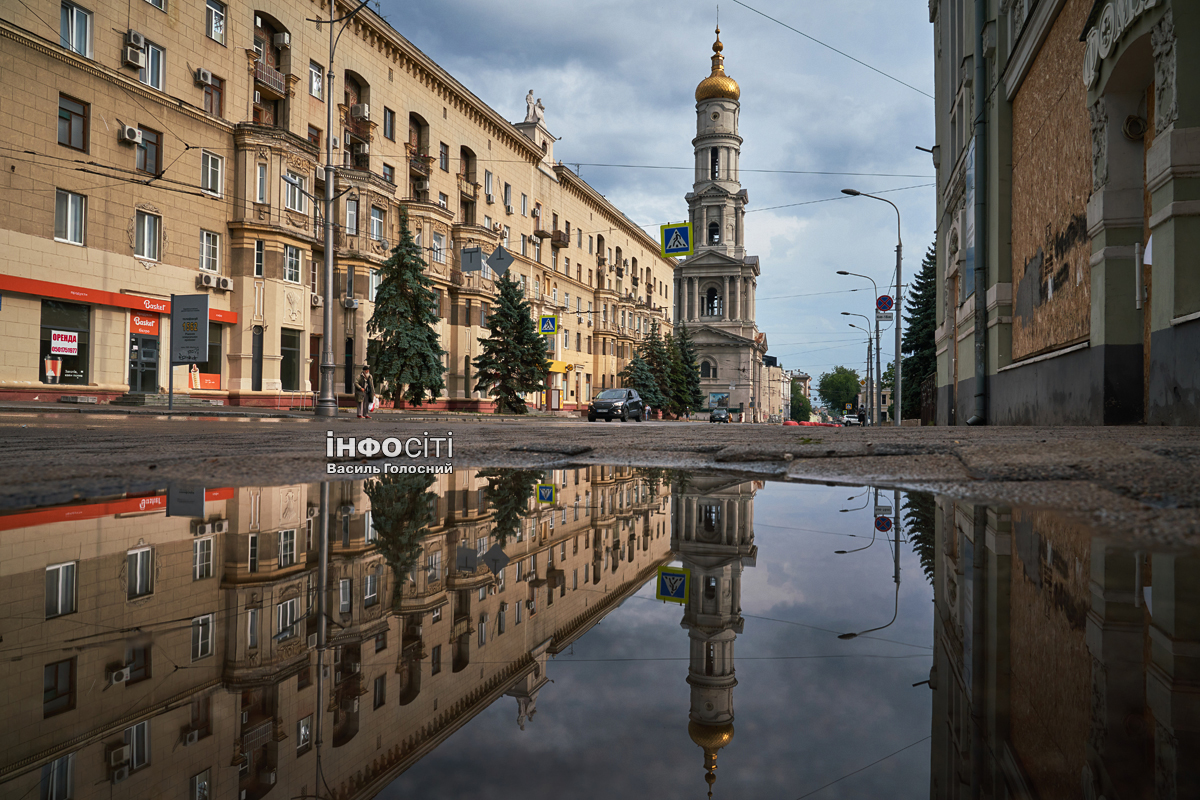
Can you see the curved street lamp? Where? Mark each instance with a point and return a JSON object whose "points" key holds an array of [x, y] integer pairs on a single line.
{"points": [[878, 351], [870, 384], [895, 612]]}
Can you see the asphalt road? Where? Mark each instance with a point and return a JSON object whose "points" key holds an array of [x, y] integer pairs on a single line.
{"points": [[1144, 481]]}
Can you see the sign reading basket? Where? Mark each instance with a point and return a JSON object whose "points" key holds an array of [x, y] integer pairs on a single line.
{"points": [[189, 328], [64, 343]]}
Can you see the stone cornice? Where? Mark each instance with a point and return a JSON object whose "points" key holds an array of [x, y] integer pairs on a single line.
{"points": [[583, 191]]}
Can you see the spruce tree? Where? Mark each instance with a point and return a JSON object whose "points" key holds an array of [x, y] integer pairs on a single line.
{"points": [[918, 345], [653, 350], [919, 512], [690, 398], [405, 356], [637, 375], [514, 356], [508, 493], [400, 515]]}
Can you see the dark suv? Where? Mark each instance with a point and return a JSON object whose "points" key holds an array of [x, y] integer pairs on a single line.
{"points": [[719, 415], [617, 403]]}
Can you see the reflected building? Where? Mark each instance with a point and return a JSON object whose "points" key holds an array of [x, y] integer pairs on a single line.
{"points": [[178, 656], [1065, 662], [712, 533]]}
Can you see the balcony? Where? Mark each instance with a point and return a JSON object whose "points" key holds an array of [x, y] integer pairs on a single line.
{"points": [[633, 280], [537, 229], [620, 272], [270, 80], [419, 164], [467, 187], [601, 261], [359, 128], [559, 239]]}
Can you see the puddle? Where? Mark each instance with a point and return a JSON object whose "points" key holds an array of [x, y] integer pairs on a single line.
{"points": [[497, 634]]}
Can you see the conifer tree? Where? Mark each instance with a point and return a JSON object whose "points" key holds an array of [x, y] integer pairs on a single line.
{"points": [[691, 397], [654, 352], [514, 356], [918, 346], [401, 517], [637, 375], [508, 493], [406, 357]]}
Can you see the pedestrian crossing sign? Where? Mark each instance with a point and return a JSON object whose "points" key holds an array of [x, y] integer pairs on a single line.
{"points": [[547, 492], [548, 325], [672, 584], [676, 239]]}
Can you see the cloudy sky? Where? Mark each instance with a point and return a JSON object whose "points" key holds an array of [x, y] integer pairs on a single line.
{"points": [[617, 78]]}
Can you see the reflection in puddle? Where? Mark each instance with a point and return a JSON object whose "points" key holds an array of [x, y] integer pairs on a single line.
{"points": [[184, 646]]}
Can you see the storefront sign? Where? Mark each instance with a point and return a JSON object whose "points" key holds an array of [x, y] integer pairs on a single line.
{"points": [[189, 329], [145, 324], [1114, 21], [62, 291], [64, 343]]}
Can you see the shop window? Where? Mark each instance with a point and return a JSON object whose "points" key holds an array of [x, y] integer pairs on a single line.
{"points": [[64, 342], [289, 365]]}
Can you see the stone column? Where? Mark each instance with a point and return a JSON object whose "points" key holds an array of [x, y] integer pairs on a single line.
{"points": [[725, 300], [735, 302]]}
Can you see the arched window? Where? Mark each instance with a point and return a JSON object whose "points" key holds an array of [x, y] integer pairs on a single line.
{"points": [[466, 163], [713, 303], [705, 370], [714, 233]]}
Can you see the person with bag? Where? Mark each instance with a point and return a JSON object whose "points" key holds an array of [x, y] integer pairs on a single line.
{"points": [[364, 392]]}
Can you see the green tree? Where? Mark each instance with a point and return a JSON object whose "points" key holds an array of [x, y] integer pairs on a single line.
{"points": [[400, 515], [801, 406], [837, 388], [919, 510], [508, 493], [653, 350], [917, 344], [689, 397], [638, 375], [405, 354], [514, 356]]}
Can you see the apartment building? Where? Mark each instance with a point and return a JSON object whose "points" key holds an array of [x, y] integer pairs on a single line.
{"points": [[161, 148], [179, 656]]}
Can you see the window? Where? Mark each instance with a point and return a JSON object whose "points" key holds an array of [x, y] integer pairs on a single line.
{"points": [[435, 660], [138, 739], [304, 730], [75, 33], [60, 589], [211, 169], [138, 568], [289, 362], [507, 233], [444, 156], [58, 694], [260, 253], [58, 779], [147, 232], [524, 205], [252, 628], [137, 661], [487, 184], [377, 223], [287, 548], [214, 18], [262, 184], [152, 73], [375, 278], [380, 691], [381, 642], [214, 97], [149, 151], [286, 614], [344, 596], [508, 195], [72, 123], [210, 251], [389, 123], [443, 200], [314, 135], [252, 566], [371, 591], [439, 248], [291, 263], [389, 173], [436, 615], [483, 622], [202, 558], [591, 243], [352, 217], [200, 787], [70, 210], [202, 637], [316, 79], [293, 193]]}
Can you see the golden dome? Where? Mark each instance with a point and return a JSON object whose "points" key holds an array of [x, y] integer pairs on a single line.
{"points": [[718, 84], [711, 737]]}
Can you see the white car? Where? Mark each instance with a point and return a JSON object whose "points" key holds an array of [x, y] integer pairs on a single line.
{"points": [[850, 419]]}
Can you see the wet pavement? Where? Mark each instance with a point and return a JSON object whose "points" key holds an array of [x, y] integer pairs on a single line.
{"points": [[591, 631]]}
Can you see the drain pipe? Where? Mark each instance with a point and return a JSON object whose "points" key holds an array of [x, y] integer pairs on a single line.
{"points": [[981, 220]]}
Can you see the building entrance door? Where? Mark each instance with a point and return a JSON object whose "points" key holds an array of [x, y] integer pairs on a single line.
{"points": [[143, 363]]}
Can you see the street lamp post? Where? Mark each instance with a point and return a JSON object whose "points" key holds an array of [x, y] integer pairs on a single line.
{"points": [[899, 304], [878, 366], [873, 413]]}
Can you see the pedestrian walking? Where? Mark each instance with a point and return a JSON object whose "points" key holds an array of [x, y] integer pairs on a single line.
{"points": [[862, 416], [364, 392]]}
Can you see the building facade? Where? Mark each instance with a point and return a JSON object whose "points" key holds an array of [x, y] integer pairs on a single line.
{"points": [[715, 287], [1067, 211], [184, 156]]}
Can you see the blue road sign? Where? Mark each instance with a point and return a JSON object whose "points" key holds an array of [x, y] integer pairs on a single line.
{"points": [[547, 493], [676, 239], [547, 325], [883, 524], [672, 584], [883, 303]]}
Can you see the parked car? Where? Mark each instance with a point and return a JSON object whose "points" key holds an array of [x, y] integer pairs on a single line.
{"points": [[719, 415], [849, 419], [619, 404]]}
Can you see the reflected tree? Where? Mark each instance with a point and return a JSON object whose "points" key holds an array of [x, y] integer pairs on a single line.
{"points": [[401, 515], [919, 510], [508, 493]]}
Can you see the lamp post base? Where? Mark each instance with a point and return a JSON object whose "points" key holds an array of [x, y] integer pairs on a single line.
{"points": [[326, 405]]}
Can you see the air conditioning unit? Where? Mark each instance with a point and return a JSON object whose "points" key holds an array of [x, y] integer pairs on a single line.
{"points": [[135, 58], [354, 668], [203, 77], [360, 111], [258, 99], [420, 186], [225, 284], [529, 605], [191, 737], [350, 302], [128, 133], [537, 212], [270, 778], [356, 705], [313, 510], [508, 210], [201, 529], [346, 510], [119, 676], [220, 526], [316, 300], [336, 146], [362, 149], [245, 717], [118, 755], [135, 39], [491, 198], [119, 774], [283, 40], [206, 280], [312, 640]]}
